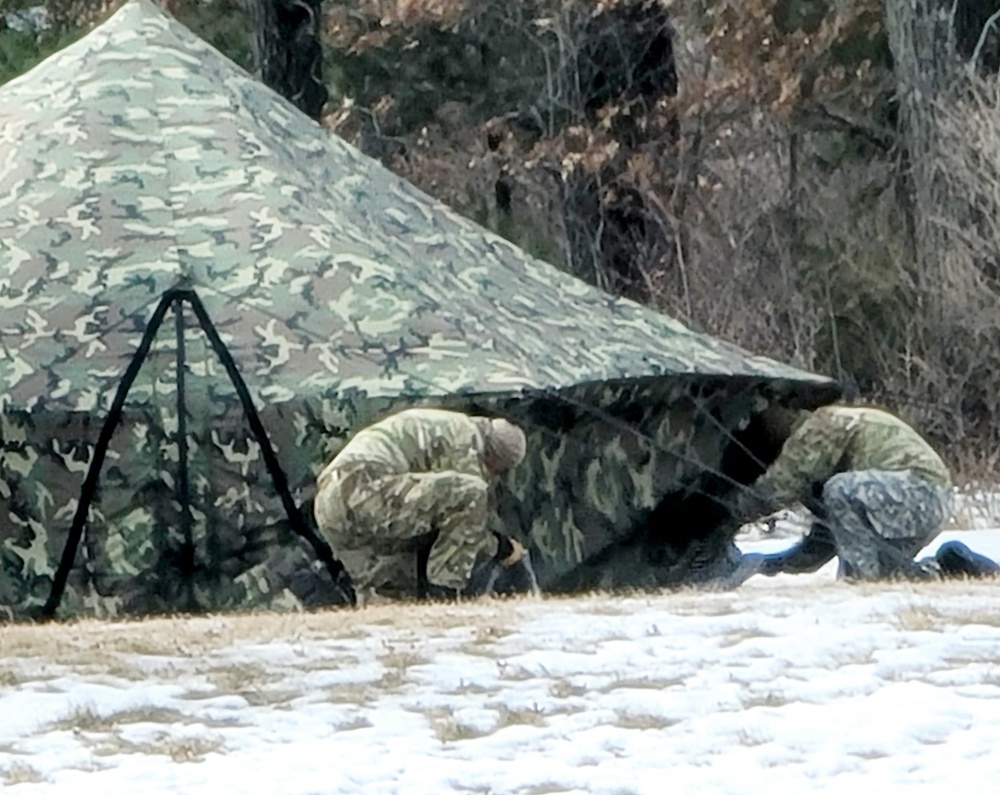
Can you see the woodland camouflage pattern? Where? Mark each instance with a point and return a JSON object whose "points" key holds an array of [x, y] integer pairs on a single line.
{"points": [[881, 491], [880, 520], [836, 439], [139, 160], [397, 482]]}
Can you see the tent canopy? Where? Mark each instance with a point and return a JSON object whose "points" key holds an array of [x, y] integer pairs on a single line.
{"points": [[142, 171], [139, 159]]}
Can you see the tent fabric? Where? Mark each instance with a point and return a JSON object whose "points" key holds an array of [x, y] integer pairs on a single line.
{"points": [[139, 160]]}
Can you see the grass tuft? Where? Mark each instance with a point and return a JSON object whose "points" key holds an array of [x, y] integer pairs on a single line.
{"points": [[506, 716], [642, 683], [355, 722], [563, 688], [18, 772], [643, 721], [918, 619], [771, 698], [179, 749], [449, 729]]}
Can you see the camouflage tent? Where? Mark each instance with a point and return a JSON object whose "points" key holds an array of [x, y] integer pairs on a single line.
{"points": [[202, 293]]}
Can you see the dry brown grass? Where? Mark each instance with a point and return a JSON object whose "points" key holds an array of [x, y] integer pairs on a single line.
{"points": [[179, 749], [9, 677], [86, 718], [563, 688], [362, 694], [918, 619], [507, 716], [768, 699], [738, 636], [355, 722], [241, 678], [514, 672], [90, 640], [753, 737], [449, 729], [402, 657], [18, 772], [987, 618], [473, 689], [644, 683], [545, 788], [643, 721]]}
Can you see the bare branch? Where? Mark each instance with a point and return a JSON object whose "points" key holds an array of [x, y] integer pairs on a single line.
{"points": [[974, 60]]}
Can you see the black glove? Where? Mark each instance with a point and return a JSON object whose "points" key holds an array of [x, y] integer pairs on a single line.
{"points": [[508, 571]]}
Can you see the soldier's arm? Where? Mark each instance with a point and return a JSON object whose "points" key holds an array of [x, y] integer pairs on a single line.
{"points": [[810, 455]]}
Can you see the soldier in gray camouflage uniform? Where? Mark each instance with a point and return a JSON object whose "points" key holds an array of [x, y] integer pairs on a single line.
{"points": [[416, 481], [879, 492]]}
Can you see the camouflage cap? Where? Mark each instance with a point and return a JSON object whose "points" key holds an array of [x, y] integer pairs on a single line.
{"points": [[505, 444]]}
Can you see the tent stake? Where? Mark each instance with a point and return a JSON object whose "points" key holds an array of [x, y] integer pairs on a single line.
{"points": [[89, 487]]}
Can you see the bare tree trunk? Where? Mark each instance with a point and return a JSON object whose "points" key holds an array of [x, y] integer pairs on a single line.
{"points": [[287, 50], [928, 73]]}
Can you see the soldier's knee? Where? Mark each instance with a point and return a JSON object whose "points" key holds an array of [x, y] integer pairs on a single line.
{"points": [[838, 490]]}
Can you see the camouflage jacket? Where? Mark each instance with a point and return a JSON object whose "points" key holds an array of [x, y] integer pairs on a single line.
{"points": [[418, 440], [837, 439]]}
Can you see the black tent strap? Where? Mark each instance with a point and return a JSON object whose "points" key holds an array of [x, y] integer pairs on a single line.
{"points": [[322, 549], [89, 488], [183, 489]]}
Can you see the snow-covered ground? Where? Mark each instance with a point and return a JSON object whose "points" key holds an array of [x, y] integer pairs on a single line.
{"points": [[790, 684]]}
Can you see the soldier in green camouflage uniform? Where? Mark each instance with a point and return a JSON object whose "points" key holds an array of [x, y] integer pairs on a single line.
{"points": [[879, 492], [418, 478]]}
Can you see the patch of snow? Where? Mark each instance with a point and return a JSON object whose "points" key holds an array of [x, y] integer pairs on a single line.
{"points": [[797, 683]]}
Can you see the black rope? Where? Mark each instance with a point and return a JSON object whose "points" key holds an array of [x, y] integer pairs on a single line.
{"points": [[89, 488], [322, 549]]}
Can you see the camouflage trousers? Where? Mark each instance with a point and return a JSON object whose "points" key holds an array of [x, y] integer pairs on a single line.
{"points": [[379, 523], [880, 520]]}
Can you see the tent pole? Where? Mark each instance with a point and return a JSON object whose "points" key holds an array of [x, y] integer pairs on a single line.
{"points": [[89, 487], [322, 549], [186, 563]]}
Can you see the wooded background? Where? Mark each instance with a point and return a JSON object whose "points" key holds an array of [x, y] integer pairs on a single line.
{"points": [[815, 180]]}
